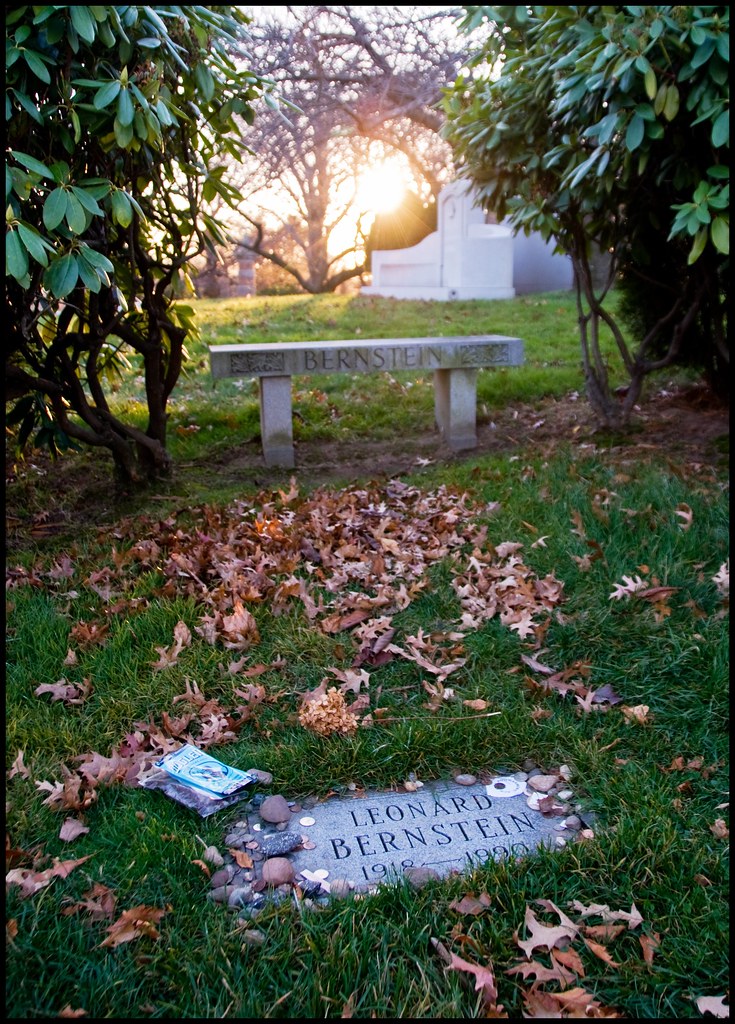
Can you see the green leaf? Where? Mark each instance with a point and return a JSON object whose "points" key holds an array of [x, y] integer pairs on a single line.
{"points": [[703, 53], [718, 171], [671, 106], [720, 231], [16, 256], [90, 277], [125, 108], [31, 164], [123, 134], [86, 200], [649, 82], [62, 275], [76, 218], [35, 244], [83, 22], [204, 80], [721, 130], [96, 259], [106, 95], [122, 211], [634, 134], [37, 66], [28, 105], [700, 240], [660, 100]]}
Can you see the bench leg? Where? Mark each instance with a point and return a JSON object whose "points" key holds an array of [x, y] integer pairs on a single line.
{"points": [[455, 407], [276, 421]]}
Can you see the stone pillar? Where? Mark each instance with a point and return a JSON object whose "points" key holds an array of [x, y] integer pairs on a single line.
{"points": [[276, 422], [244, 283], [455, 407]]}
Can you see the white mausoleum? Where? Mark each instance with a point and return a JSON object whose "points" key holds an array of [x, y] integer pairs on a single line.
{"points": [[468, 258]]}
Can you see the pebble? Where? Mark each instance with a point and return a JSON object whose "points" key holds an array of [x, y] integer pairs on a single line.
{"points": [[280, 844], [542, 783], [238, 839], [239, 897], [221, 877], [573, 822], [221, 893], [264, 778], [275, 809], [278, 871], [340, 888], [565, 794], [465, 780], [418, 877], [252, 937]]}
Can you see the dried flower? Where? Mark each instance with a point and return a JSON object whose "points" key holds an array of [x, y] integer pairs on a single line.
{"points": [[327, 714]]}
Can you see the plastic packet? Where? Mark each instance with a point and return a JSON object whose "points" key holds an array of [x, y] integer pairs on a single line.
{"points": [[198, 781], [191, 766]]}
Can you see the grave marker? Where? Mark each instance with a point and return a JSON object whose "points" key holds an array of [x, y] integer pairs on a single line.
{"points": [[375, 838]]}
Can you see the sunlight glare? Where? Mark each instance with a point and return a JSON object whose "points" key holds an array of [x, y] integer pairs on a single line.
{"points": [[381, 188]]}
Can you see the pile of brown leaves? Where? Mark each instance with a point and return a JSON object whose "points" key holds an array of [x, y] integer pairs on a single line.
{"points": [[555, 989]]}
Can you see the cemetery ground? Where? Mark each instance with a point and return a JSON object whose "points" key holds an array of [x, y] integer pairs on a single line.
{"points": [[555, 597]]}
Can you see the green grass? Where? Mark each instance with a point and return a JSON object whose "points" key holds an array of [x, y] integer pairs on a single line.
{"points": [[653, 845]]}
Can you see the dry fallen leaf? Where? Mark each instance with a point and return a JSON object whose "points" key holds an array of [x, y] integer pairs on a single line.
{"points": [[18, 767], [69, 693], [99, 902], [720, 829], [132, 924], [31, 881], [476, 705], [638, 714], [470, 904], [69, 1012], [242, 859], [484, 983], [649, 945], [72, 829], [600, 951], [685, 514], [547, 936], [714, 1005]]}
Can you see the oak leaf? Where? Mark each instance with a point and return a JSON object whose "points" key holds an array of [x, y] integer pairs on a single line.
{"points": [[470, 904], [69, 693], [72, 829], [685, 514], [31, 881], [484, 983], [714, 1005], [545, 936], [720, 829], [638, 713], [132, 924], [18, 767], [649, 945], [600, 951], [99, 902], [541, 974]]}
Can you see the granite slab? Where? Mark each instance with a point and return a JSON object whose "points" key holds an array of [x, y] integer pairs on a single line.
{"points": [[375, 837]]}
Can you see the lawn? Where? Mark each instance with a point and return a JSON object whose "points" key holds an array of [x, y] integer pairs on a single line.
{"points": [[207, 611]]}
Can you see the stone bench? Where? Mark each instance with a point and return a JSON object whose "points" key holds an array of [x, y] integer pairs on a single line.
{"points": [[454, 362]]}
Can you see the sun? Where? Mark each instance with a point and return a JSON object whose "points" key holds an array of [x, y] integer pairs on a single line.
{"points": [[381, 188]]}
